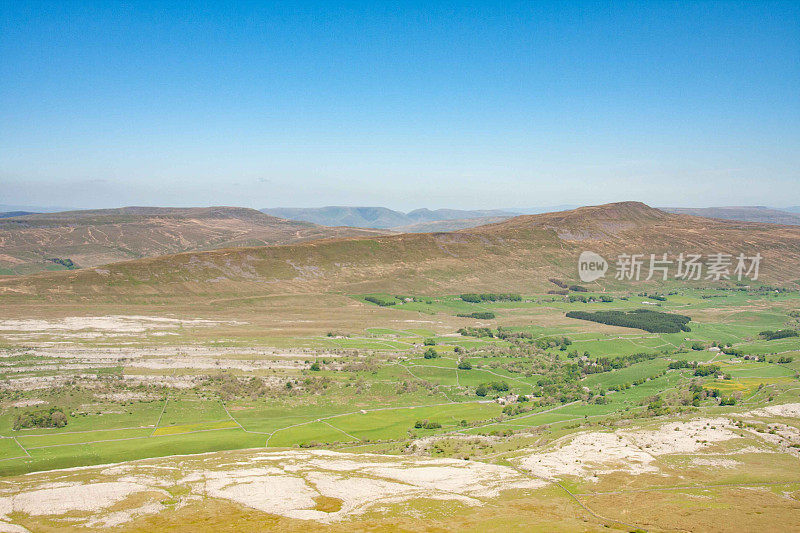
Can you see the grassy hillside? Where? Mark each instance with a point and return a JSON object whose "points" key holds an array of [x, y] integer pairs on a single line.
{"points": [[520, 254], [54, 241]]}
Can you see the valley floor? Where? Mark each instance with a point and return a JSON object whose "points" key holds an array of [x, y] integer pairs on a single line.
{"points": [[404, 417]]}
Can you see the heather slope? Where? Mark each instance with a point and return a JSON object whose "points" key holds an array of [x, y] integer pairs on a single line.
{"points": [[51, 241], [518, 254]]}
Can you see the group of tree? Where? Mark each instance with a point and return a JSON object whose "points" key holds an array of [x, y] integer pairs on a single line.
{"points": [[574, 354], [480, 315], [485, 388], [656, 297], [507, 334], [230, 387], [646, 319], [518, 408], [66, 263], [780, 334], [553, 342], [706, 370], [413, 299], [43, 418], [572, 298], [476, 332], [608, 364], [682, 363], [427, 424], [730, 350], [430, 353], [380, 300], [491, 297]]}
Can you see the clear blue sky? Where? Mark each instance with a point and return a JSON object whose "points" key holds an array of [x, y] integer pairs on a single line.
{"points": [[424, 105]]}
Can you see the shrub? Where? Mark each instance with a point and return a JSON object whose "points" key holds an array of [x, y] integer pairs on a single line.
{"points": [[315, 367], [429, 342], [464, 365], [430, 353], [481, 315]]}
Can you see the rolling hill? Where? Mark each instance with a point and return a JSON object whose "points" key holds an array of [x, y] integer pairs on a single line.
{"points": [[745, 214], [519, 254], [54, 241]]}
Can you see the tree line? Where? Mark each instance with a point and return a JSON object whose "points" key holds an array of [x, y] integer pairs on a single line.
{"points": [[652, 321]]}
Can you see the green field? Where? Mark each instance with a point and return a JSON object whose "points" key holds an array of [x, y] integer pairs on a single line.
{"points": [[373, 385]]}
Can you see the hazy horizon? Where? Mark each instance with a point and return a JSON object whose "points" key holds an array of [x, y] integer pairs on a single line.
{"points": [[510, 210]]}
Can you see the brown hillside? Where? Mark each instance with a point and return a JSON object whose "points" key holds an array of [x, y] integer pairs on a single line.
{"points": [[96, 237], [519, 254]]}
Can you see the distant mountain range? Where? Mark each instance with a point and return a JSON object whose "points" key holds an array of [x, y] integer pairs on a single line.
{"points": [[743, 213], [454, 224], [9, 214], [378, 217], [427, 220], [417, 221], [6, 208]]}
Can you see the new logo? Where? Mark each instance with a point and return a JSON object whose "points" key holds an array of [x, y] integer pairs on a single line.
{"points": [[591, 266]]}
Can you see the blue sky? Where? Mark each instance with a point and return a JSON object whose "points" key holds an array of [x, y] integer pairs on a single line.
{"points": [[464, 105]]}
